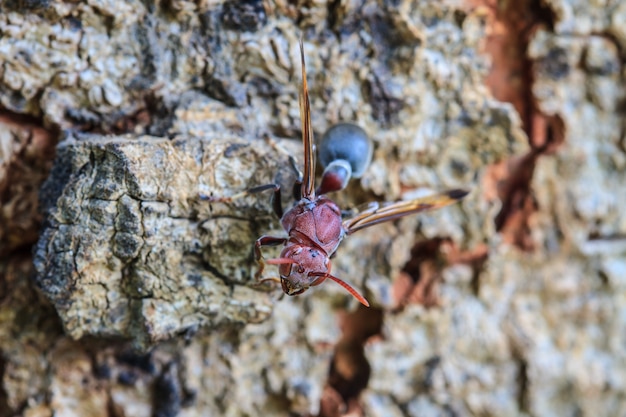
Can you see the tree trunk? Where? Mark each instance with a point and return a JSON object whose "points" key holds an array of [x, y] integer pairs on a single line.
{"points": [[127, 292]]}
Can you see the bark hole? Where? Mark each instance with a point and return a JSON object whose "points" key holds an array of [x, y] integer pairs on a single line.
{"points": [[511, 80], [349, 369], [419, 277]]}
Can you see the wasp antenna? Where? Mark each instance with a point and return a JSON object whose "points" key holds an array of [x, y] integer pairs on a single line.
{"points": [[280, 261], [349, 288]]}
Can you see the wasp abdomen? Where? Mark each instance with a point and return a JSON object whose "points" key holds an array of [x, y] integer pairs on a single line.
{"points": [[345, 151]]}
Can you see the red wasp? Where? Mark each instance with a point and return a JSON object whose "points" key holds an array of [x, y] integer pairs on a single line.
{"points": [[314, 224]]}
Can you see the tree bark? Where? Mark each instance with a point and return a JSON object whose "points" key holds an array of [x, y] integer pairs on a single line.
{"points": [[125, 292]]}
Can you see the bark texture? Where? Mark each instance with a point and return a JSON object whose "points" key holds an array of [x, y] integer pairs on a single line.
{"points": [[139, 299], [130, 250]]}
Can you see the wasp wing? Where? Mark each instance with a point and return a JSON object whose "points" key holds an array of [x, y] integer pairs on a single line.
{"points": [[308, 180], [382, 212]]}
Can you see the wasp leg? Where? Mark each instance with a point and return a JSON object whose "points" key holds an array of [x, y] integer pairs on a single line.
{"points": [[264, 241], [297, 186], [276, 202], [272, 280]]}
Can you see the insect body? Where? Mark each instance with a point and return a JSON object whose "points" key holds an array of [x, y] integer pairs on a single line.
{"points": [[314, 224]]}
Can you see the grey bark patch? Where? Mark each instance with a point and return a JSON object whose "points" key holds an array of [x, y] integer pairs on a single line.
{"points": [[130, 249]]}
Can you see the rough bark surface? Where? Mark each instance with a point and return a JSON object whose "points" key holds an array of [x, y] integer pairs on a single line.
{"points": [[130, 250], [139, 297]]}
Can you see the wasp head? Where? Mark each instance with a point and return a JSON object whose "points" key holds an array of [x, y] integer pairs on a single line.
{"points": [[303, 269]]}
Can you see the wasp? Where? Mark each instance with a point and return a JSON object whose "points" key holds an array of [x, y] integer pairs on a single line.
{"points": [[314, 225]]}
